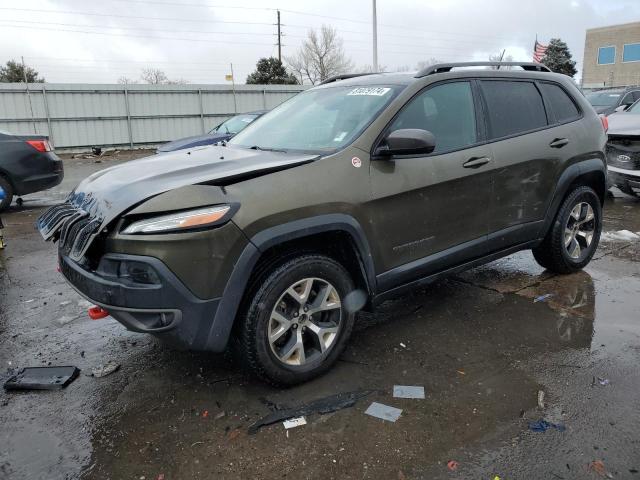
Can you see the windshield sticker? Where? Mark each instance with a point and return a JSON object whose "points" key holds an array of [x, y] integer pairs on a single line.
{"points": [[340, 137], [375, 91]]}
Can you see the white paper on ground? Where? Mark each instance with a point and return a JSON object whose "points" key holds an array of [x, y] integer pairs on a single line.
{"points": [[294, 422], [385, 412], [406, 391]]}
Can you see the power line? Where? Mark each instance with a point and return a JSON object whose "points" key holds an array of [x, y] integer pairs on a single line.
{"points": [[111, 34]]}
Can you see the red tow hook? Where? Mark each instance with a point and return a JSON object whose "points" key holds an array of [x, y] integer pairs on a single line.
{"points": [[96, 313]]}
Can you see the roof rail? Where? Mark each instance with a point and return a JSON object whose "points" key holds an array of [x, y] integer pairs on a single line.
{"points": [[345, 76], [446, 67]]}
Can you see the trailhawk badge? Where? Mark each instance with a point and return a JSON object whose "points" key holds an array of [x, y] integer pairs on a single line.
{"points": [[356, 162]]}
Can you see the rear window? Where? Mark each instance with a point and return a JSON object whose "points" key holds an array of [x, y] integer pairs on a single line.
{"points": [[514, 107], [562, 106]]}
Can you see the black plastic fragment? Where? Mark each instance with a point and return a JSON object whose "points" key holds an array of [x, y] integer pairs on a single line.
{"points": [[42, 378], [322, 405]]}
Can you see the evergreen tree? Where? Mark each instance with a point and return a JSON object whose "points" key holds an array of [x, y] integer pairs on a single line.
{"points": [[558, 58], [14, 72], [271, 71]]}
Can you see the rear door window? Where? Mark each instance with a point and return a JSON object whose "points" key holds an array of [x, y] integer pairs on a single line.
{"points": [[563, 108], [514, 107], [447, 111]]}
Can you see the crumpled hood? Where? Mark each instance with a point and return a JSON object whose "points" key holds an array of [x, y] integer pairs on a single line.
{"points": [[195, 141], [108, 193], [624, 123]]}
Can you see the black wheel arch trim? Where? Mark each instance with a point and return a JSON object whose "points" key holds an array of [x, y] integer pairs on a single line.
{"points": [[235, 289], [593, 164]]}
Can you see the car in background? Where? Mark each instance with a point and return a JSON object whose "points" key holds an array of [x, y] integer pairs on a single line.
{"points": [[613, 100], [27, 165], [623, 150], [221, 133]]}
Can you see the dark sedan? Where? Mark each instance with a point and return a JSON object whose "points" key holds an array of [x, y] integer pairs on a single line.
{"points": [[27, 165], [222, 132]]}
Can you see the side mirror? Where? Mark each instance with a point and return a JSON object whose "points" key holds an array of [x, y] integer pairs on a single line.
{"points": [[621, 108], [407, 141]]}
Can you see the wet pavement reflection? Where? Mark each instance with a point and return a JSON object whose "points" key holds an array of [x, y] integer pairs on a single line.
{"points": [[483, 344]]}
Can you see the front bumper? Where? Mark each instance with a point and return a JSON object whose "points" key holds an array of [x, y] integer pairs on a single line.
{"points": [[623, 177], [164, 308]]}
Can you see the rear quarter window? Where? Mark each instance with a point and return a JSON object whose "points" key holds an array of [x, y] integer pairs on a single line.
{"points": [[563, 108], [514, 107]]}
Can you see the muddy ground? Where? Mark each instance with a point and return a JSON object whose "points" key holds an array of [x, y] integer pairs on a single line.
{"points": [[480, 344]]}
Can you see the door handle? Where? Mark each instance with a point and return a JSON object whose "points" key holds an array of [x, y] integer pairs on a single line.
{"points": [[476, 162], [559, 143]]}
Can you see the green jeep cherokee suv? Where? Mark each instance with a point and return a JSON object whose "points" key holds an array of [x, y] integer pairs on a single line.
{"points": [[341, 197]]}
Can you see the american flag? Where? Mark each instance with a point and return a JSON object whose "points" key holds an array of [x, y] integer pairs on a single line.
{"points": [[538, 51]]}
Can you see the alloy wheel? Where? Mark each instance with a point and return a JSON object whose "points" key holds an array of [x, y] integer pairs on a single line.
{"points": [[579, 230], [305, 322]]}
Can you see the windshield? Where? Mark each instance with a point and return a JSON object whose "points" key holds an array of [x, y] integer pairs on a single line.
{"points": [[235, 124], [603, 99], [319, 120]]}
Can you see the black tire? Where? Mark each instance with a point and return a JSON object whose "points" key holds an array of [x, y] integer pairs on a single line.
{"points": [[8, 193], [552, 253], [252, 342]]}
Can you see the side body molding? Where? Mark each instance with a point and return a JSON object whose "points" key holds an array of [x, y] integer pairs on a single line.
{"points": [[259, 243]]}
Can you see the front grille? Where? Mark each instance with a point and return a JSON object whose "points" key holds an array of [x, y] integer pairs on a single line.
{"points": [[624, 152], [72, 226]]}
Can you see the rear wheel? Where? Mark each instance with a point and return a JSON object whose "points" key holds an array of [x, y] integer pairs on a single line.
{"points": [[6, 187], [573, 238], [294, 325]]}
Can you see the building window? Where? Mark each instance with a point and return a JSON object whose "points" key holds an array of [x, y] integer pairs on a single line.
{"points": [[606, 55], [631, 52]]}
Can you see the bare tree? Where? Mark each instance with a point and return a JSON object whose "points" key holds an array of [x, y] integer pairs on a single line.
{"points": [[499, 58], [427, 63], [154, 76], [321, 56], [126, 81], [369, 69]]}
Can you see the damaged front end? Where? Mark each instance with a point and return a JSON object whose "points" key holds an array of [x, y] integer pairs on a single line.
{"points": [[153, 242], [623, 162]]}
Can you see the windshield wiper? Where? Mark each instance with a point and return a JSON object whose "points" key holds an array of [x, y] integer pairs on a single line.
{"points": [[264, 149]]}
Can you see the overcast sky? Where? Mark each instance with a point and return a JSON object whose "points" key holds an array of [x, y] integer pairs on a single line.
{"points": [[197, 39]]}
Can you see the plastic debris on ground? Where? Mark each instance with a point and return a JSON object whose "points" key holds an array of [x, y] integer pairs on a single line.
{"points": [[403, 345], [328, 404], [543, 298], [619, 236], [603, 381], [542, 426], [42, 378], [452, 465], [294, 422], [384, 412], [597, 466], [104, 370], [407, 391], [541, 399]]}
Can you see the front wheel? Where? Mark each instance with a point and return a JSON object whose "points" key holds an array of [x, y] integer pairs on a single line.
{"points": [[294, 325], [573, 238]]}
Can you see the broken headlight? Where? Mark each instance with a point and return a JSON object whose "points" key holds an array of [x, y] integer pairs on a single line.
{"points": [[175, 222]]}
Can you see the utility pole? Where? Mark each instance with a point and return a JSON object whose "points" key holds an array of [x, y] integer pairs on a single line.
{"points": [[233, 86], [375, 38], [24, 75], [279, 39]]}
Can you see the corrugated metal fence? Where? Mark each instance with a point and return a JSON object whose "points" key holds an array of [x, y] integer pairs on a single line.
{"points": [[80, 115]]}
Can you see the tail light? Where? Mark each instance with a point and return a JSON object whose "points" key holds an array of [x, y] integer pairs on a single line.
{"points": [[605, 123], [40, 145]]}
